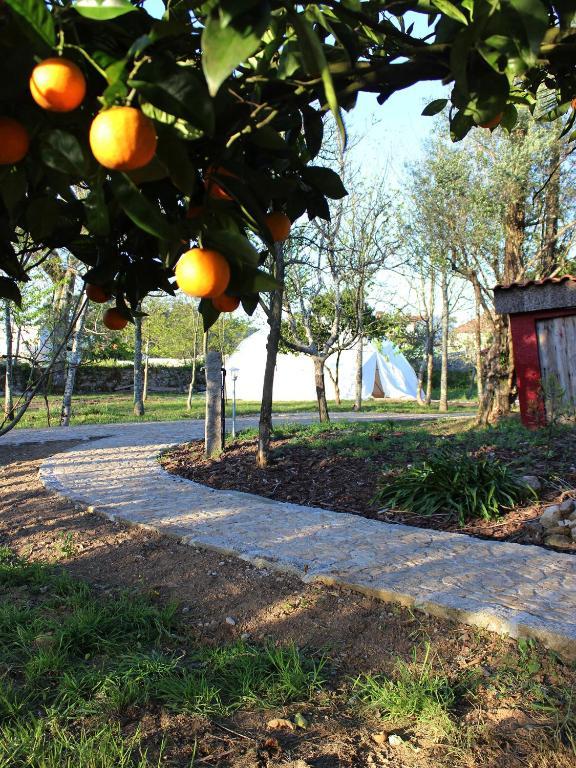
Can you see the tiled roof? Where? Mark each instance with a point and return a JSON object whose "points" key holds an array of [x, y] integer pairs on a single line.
{"points": [[471, 325], [530, 283]]}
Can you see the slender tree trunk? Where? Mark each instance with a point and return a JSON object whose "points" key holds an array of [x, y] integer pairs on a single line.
{"points": [[358, 381], [319, 363], [421, 370], [549, 258], [73, 363], [443, 407], [138, 380], [62, 305], [478, 342], [335, 378], [9, 374], [146, 365], [194, 358], [430, 338], [275, 322], [360, 347]]}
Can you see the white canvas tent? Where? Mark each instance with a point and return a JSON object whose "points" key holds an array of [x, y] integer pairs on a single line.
{"points": [[385, 373]]}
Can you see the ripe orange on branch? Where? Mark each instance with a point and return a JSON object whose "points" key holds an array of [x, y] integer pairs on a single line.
{"points": [[14, 141], [279, 225], [214, 189], [113, 320], [57, 85], [493, 123], [202, 273], [96, 293], [226, 303], [123, 138]]}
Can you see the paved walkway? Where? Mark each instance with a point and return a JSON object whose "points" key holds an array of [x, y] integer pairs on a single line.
{"points": [[508, 588]]}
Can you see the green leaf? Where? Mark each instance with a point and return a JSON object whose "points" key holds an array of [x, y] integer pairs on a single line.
{"points": [[450, 10], [434, 107], [234, 246], [139, 209], [96, 211], [14, 187], [316, 62], [177, 91], [325, 180], [172, 152], [209, 313], [9, 290], [62, 151], [37, 19], [103, 10], [225, 47], [534, 19]]}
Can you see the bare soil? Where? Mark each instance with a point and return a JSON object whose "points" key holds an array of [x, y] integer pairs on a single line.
{"points": [[360, 635], [336, 481]]}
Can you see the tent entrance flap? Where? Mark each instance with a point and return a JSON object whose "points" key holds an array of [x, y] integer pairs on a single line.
{"points": [[378, 390]]}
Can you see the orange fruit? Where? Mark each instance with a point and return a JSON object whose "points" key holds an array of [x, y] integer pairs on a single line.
{"points": [[113, 320], [195, 211], [202, 273], [57, 85], [123, 139], [573, 103], [493, 123], [225, 303], [213, 188], [96, 294], [279, 225], [14, 141]]}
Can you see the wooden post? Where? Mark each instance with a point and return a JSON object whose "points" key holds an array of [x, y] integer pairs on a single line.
{"points": [[213, 426]]}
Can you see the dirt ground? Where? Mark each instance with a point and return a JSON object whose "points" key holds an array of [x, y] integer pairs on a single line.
{"points": [[336, 481], [359, 634]]}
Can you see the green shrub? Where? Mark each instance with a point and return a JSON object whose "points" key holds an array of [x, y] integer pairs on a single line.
{"points": [[455, 484]]}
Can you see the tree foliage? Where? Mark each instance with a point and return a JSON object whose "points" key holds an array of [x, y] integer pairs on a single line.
{"points": [[237, 92]]}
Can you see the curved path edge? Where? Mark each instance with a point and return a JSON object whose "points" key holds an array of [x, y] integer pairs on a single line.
{"points": [[521, 591]]}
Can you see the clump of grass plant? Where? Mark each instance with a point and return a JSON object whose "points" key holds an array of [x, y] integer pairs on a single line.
{"points": [[455, 484]]}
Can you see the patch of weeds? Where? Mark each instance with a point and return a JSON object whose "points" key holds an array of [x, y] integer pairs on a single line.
{"points": [[66, 545], [458, 485], [417, 696]]}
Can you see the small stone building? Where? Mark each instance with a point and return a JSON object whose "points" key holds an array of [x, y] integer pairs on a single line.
{"points": [[543, 324]]}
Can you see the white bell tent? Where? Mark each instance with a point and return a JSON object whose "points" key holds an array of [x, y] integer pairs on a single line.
{"points": [[385, 373]]}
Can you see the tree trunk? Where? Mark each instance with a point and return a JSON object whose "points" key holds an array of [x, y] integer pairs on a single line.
{"points": [[358, 381], [319, 363], [421, 369], [478, 341], [73, 363], [443, 407], [549, 258], [62, 304], [138, 380], [146, 365], [335, 378], [213, 424], [194, 357], [430, 338], [9, 374], [275, 322]]}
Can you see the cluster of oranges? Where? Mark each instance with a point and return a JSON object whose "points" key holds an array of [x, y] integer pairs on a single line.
{"points": [[112, 318], [121, 138]]}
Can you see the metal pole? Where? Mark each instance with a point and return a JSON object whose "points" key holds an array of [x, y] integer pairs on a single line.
{"points": [[233, 407]]}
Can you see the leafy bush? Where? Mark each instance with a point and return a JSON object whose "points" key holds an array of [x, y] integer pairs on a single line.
{"points": [[455, 484]]}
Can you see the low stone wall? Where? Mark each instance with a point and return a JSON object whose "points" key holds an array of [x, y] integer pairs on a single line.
{"points": [[118, 378]]}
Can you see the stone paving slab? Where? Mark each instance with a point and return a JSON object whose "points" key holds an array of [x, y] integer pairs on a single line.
{"points": [[523, 591]]}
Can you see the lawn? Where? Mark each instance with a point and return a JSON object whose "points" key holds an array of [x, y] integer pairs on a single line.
{"points": [[84, 675], [115, 407]]}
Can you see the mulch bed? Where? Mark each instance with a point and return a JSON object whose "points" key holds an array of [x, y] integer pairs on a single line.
{"points": [[335, 481]]}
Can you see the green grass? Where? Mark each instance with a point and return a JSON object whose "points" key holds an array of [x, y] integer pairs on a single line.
{"points": [[72, 662], [113, 408]]}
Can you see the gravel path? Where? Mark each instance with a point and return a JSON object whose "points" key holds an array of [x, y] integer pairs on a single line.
{"points": [[507, 588]]}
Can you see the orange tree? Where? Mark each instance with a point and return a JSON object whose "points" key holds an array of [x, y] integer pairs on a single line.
{"points": [[115, 124]]}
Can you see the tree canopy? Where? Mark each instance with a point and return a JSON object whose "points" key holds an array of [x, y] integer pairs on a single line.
{"points": [[236, 91]]}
